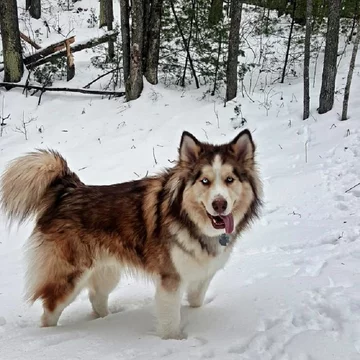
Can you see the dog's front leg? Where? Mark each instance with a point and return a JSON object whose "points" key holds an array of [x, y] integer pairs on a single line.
{"points": [[168, 302], [196, 292]]}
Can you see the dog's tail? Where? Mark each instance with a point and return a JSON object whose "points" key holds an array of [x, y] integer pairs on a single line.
{"points": [[33, 182]]}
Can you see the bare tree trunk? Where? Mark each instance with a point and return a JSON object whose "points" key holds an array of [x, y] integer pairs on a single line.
{"points": [[233, 52], [185, 44], [147, 12], [306, 112], [355, 17], [217, 64], [216, 12], [152, 58], [107, 18], [182, 83], [134, 84], [350, 73], [330, 56], [10, 35], [125, 36], [289, 42], [34, 7]]}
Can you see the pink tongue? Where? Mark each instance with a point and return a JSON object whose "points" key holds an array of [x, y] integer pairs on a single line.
{"points": [[229, 223]]}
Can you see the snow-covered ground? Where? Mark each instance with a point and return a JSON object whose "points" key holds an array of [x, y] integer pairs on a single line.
{"points": [[292, 287]]}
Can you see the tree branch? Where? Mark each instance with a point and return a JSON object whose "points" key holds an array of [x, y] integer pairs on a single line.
{"points": [[82, 91]]}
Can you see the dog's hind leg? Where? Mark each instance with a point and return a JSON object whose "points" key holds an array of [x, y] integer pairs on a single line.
{"points": [[57, 295], [102, 281], [53, 275], [196, 292]]}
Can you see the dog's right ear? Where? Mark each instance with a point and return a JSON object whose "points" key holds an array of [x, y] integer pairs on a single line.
{"points": [[190, 148]]}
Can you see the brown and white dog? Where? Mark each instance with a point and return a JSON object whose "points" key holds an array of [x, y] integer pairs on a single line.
{"points": [[177, 228]]}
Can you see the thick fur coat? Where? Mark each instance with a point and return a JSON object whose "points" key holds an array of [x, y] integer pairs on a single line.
{"points": [[167, 227]]}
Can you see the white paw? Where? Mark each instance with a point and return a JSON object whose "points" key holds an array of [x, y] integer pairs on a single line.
{"points": [[173, 335], [196, 303]]}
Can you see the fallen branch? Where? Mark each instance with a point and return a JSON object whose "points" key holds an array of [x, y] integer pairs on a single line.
{"points": [[78, 47], [99, 77], [82, 91], [47, 51], [353, 187], [29, 41]]}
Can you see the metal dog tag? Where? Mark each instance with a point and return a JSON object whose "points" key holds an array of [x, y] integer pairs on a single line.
{"points": [[224, 239]]}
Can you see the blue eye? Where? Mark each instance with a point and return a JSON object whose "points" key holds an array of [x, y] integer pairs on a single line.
{"points": [[205, 181], [229, 180]]}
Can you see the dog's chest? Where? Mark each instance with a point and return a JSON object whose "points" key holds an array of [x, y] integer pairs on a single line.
{"points": [[194, 261]]}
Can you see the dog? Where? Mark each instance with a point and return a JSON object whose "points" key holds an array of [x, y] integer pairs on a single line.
{"points": [[177, 228]]}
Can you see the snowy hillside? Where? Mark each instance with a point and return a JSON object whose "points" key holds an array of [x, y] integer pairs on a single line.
{"points": [[292, 288]]}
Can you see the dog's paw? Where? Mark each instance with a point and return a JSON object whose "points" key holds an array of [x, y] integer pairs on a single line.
{"points": [[171, 334], [196, 304]]}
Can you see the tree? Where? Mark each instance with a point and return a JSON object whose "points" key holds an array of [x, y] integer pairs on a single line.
{"points": [[306, 112], [34, 7], [125, 36], [107, 18], [327, 92], [233, 51], [289, 41], [216, 12], [350, 73], [134, 83], [10, 35], [153, 42]]}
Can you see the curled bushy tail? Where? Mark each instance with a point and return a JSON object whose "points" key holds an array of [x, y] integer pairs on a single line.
{"points": [[31, 182]]}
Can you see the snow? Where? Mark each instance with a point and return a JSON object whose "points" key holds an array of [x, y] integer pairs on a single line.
{"points": [[292, 287]]}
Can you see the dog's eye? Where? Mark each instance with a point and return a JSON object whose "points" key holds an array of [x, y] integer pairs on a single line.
{"points": [[229, 180], [205, 181]]}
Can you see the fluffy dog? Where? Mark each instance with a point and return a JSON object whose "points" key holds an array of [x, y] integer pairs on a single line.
{"points": [[177, 228]]}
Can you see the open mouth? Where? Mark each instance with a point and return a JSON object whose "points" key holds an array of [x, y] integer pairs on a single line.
{"points": [[222, 222]]}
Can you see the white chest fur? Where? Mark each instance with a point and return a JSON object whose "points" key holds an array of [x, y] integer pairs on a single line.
{"points": [[195, 263]]}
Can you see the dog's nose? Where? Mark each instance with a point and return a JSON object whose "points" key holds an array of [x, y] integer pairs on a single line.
{"points": [[219, 205]]}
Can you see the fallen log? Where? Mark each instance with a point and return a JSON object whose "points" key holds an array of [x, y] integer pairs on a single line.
{"points": [[78, 47], [9, 85], [43, 52]]}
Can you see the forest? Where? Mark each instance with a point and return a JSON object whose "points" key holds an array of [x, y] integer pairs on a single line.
{"points": [[197, 42]]}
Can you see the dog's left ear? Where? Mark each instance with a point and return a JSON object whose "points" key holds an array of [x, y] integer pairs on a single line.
{"points": [[190, 147], [243, 146]]}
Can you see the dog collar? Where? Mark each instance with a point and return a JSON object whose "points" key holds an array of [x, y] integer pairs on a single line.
{"points": [[224, 239]]}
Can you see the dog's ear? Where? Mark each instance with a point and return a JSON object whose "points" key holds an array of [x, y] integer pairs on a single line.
{"points": [[243, 146], [190, 147]]}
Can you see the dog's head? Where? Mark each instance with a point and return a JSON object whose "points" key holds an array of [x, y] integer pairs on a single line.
{"points": [[222, 183]]}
